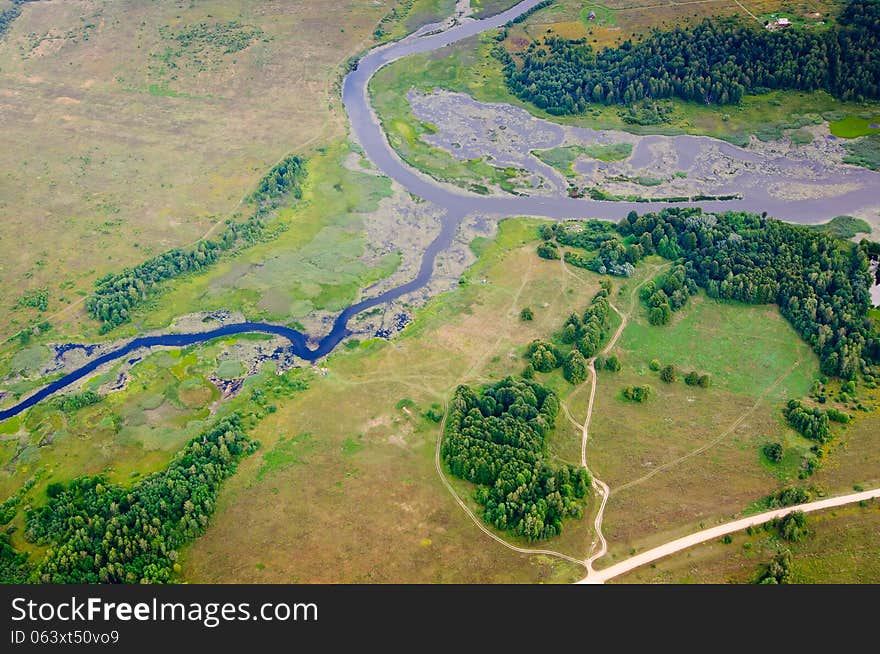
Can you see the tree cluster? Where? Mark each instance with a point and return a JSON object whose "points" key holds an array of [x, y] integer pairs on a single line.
{"points": [[716, 62], [586, 333], [548, 250], [612, 256], [637, 393], [8, 15], [790, 496], [773, 451], [820, 283], [694, 378], [14, 565], [37, 299], [591, 332], [810, 422], [284, 180], [75, 401], [792, 527], [496, 439], [96, 532], [667, 293], [779, 569]]}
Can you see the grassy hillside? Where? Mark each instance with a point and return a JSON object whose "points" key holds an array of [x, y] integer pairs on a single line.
{"points": [[134, 127]]}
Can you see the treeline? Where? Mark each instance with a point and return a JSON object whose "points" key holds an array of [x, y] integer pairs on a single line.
{"points": [[284, 180], [117, 294], [97, 532], [74, 401], [496, 439], [538, 7], [716, 62], [820, 283]]}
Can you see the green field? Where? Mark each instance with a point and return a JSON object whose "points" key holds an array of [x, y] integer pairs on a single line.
{"points": [[692, 456], [854, 126], [484, 8], [562, 158], [845, 227]]}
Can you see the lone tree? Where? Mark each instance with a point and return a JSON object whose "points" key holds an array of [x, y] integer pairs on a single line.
{"points": [[773, 452], [668, 374], [526, 314], [575, 367], [612, 364]]}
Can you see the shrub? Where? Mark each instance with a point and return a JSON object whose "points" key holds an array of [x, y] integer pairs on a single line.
{"points": [[638, 394], [773, 452], [668, 374], [548, 250]]}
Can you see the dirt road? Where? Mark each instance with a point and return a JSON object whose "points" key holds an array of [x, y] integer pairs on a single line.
{"points": [[601, 576]]}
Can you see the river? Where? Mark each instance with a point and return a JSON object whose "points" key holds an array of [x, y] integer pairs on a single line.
{"points": [[457, 205]]}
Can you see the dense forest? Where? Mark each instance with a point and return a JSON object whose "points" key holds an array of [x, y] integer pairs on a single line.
{"points": [[820, 283], [715, 62], [98, 532], [495, 439], [117, 294]]}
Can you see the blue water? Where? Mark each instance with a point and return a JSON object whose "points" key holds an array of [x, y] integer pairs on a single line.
{"points": [[298, 340]]}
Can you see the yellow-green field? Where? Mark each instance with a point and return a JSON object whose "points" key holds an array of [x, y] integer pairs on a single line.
{"points": [[132, 127], [615, 21], [358, 499], [842, 549], [365, 475], [126, 139], [347, 466]]}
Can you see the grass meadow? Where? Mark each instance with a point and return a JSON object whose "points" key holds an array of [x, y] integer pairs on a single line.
{"points": [[841, 549]]}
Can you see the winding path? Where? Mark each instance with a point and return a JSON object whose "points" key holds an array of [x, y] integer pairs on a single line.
{"points": [[458, 204]]}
